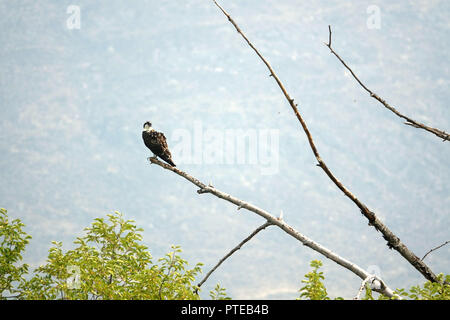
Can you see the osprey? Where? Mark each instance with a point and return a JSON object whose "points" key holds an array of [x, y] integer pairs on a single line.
{"points": [[156, 142]]}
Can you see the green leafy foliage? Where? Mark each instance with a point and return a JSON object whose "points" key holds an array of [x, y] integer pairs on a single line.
{"points": [[110, 262], [13, 241], [314, 289], [218, 293], [429, 291]]}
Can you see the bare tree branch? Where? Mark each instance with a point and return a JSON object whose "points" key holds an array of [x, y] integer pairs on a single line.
{"points": [[439, 133], [374, 284], [277, 222], [434, 249], [254, 233], [172, 258], [361, 288], [392, 240]]}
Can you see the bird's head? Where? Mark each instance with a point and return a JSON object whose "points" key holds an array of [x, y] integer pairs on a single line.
{"points": [[148, 126]]}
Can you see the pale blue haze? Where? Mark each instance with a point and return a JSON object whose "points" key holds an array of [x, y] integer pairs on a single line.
{"points": [[73, 103]]}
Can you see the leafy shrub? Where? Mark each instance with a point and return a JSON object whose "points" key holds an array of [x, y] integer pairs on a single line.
{"points": [[314, 289], [13, 241], [110, 262]]}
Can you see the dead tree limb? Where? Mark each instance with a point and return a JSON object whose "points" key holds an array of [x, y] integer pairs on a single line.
{"points": [[434, 249], [393, 241], [361, 288], [254, 233], [439, 133], [374, 283], [203, 188]]}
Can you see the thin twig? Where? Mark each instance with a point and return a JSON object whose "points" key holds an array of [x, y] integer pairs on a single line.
{"points": [[375, 283], [277, 222], [361, 288], [434, 249], [439, 133], [254, 233], [392, 240]]}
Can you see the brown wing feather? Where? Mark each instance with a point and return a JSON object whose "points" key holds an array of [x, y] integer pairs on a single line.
{"points": [[157, 143]]}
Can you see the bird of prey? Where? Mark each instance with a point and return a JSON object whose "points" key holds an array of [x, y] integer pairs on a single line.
{"points": [[156, 142]]}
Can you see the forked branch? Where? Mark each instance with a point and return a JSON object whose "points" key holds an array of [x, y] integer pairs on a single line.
{"points": [[439, 133], [374, 283], [392, 240], [254, 233], [277, 222]]}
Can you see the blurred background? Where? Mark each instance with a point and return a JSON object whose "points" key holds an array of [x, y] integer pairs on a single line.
{"points": [[79, 79]]}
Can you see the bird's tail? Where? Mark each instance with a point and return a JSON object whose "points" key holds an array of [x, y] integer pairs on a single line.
{"points": [[169, 161]]}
